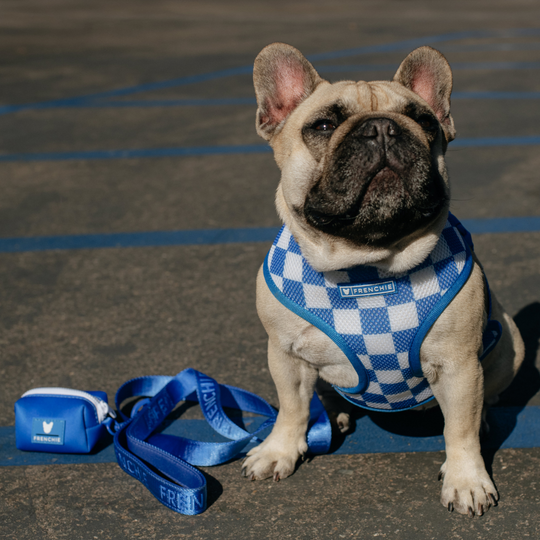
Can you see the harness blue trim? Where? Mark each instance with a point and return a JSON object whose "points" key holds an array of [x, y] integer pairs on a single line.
{"points": [[435, 314]]}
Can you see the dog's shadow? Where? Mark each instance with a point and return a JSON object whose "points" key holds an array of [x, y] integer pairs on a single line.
{"points": [[502, 418], [527, 382]]}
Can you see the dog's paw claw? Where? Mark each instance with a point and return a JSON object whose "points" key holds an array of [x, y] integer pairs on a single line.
{"points": [[271, 460], [470, 492], [493, 500]]}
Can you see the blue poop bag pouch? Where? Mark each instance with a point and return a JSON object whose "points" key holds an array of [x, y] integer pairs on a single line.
{"points": [[61, 420]]}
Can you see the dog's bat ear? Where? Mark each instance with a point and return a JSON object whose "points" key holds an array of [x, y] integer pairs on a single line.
{"points": [[283, 78], [427, 73]]}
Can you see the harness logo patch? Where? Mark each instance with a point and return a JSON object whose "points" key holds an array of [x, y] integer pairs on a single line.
{"points": [[368, 289], [48, 430]]}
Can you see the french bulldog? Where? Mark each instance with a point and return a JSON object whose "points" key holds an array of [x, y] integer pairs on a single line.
{"points": [[364, 184]]}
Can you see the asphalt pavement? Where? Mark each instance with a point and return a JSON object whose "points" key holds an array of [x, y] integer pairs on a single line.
{"points": [[137, 204]]}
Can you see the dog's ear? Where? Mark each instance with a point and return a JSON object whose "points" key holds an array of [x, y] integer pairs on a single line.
{"points": [[427, 73], [283, 78]]}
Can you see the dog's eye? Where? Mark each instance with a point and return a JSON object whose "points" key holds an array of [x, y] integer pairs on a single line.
{"points": [[427, 122], [324, 125]]}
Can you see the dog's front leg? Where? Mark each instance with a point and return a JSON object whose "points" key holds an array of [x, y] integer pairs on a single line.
{"points": [[459, 390], [295, 381]]}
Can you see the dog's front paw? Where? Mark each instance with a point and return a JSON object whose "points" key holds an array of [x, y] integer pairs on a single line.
{"points": [[467, 489], [274, 457]]}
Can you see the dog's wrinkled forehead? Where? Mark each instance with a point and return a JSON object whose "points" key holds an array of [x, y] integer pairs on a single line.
{"points": [[348, 98]]}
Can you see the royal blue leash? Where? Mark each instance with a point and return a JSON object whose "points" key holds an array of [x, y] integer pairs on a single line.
{"points": [[163, 463]]}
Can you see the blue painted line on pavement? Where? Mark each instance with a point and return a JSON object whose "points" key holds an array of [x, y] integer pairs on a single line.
{"points": [[142, 239], [495, 95], [218, 102], [528, 140], [410, 44], [138, 153], [456, 66], [511, 427], [503, 225], [490, 47], [158, 103], [217, 236], [459, 66], [160, 85], [190, 151], [242, 70]]}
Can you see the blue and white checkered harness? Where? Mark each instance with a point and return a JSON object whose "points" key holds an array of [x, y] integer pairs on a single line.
{"points": [[378, 319]]}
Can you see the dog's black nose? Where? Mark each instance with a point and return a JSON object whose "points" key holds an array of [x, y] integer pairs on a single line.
{"points": [[379, 129]]}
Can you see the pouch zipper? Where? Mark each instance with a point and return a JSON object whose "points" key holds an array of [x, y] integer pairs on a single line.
{"points": [[102, 408]]}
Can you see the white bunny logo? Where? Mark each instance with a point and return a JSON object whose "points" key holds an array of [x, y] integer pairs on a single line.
{"points": [[47, 427]]}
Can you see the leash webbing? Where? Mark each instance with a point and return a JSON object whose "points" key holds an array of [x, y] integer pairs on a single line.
{"points": [[164, 463]]}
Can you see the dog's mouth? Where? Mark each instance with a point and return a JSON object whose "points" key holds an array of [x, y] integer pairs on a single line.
{"points": [[320, 218], [376, 195]]}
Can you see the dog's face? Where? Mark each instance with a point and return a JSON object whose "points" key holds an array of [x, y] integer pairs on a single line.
{"points": [[363, 172]]}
